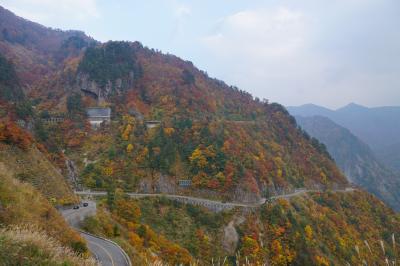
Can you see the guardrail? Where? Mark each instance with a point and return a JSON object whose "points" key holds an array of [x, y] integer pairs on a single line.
{"points": [[127, 259]]}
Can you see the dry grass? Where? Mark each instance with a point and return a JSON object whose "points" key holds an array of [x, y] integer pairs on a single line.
{"points": [[32, 167], [21, 204], [30, 246]]}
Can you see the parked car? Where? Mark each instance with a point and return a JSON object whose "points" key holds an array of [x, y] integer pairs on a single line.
{"points": [[85, 204], [76, 207]]}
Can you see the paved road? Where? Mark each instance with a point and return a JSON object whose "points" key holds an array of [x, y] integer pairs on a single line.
{"points": [[74, 217], [212, 204], [303, 191], [110, 254], [186, 199], [106, 252]]}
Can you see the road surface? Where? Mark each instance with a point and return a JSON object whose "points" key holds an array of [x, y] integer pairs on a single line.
{"points": [[303, 191], [110, 254], [106, 252], [213, 204], [75, 217]]}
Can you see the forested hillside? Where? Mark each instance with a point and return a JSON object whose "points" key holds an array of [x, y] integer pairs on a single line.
{"points": [[171, 122], [227, 143]]}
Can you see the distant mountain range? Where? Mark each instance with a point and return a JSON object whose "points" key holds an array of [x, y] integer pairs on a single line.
{"points": [[355, 158], [378, 127]]}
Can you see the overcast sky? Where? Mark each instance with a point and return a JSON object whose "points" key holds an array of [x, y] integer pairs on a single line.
{"points": [[327, 52]]}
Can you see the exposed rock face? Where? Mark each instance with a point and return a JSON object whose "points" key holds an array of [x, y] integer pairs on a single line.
{"points": [[230, 238], [72, 173], [108, 69], [246, 196], [145, 186], [164, 185], [90, 87]]}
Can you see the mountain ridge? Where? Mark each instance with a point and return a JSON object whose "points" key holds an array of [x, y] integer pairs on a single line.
{"points": [[379, 127], [355, 158]]}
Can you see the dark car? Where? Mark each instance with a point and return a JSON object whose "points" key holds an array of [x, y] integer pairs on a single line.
{"points": [[85, 204], [76, 207]]}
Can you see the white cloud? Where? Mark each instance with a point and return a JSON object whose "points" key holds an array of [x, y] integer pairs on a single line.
{"points": [[44, 11], [296, 55], [259, 33], [182, 10], [265, 50], [181, 13]]}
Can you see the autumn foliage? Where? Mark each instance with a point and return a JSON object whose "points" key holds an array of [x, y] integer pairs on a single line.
{"points": [[12, 134]]}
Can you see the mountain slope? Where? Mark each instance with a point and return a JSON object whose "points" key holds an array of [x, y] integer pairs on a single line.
{"points": [[310, 110], [355, 158], [19, 154], [22, 246], [378, 127], [35, 49], [390, 155], [22, 205], [9, 83], [228, 144]]}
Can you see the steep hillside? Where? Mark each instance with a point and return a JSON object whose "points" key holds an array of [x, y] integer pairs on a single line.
{"points": [[390, 155], [33, 167], [24, 161], [142, 243], [322, 229], [227, 159], [23, 246], [9, 83], [378, 127], [22, 205], [35, 49], [355, 158], [227, 143], [332, 228]]}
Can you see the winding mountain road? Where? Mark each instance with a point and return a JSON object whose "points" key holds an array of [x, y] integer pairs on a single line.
{"points": [[106, 252], [303, 191], [213, 204], [109, 253]]}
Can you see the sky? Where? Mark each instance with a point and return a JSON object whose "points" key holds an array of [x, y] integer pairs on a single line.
{"points": [[326, 52]]}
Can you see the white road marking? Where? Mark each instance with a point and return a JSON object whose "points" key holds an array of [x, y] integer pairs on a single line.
{"points": [[105, 250]]}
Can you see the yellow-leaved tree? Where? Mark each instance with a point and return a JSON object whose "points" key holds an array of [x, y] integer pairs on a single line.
{"points": [[198, 159], [129, 148], [309, 232]]}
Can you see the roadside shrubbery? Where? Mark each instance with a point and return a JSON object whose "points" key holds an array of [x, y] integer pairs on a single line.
{"points": [[31, 246]]}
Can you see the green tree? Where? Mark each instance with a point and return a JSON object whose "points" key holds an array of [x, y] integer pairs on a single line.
{"points": [[74, 104]]}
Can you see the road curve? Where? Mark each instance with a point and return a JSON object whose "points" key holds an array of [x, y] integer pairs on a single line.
{"points": [[106, 252], [75, 217]]}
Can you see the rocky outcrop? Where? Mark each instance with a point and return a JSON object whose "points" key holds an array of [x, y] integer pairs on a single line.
{"points": [[100, 93], [230, 238], [72, 173], [165, 185], [246, 196]]}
